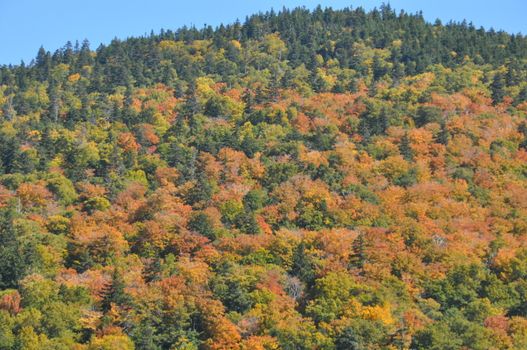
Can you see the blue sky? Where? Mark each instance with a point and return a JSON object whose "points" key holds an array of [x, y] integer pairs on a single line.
{"points": [[25, 25]]}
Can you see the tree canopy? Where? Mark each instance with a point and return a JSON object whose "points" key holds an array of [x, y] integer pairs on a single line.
{"points": [[326, 179]]}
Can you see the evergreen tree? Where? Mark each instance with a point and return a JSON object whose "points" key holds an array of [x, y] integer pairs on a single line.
{"points": [[443, 137], [365, 131], [406, 149], [303, 265], [498, 88], [521, 97], [145, 337], [191, 106], [248, 99], [43, 64], [202, 224], [12, 265], [84, 57], [358, 256], [114, 292]]}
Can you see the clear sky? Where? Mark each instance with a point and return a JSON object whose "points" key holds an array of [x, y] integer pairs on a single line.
{"points": [[25, 25]]}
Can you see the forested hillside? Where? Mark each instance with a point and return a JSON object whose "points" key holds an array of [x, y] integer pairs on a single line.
{"points": [[304, 180]]}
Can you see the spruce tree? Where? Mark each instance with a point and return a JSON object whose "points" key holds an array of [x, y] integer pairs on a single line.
{"points": [[406, 149], [114, 293], [248, 99], [43, 64], [11, 263], [498, 88], [358, 256], [443, 136]]}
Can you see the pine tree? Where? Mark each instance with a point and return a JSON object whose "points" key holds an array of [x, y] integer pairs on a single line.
{"points": [[145, 337], [202, 192], [521, 97], [43, 64], [364, 131], [84, 57], [303, 265], [498, 88], [358, 256], [114, 293], [11, 264], [68, 53], [384, 121], [248, 99], [398, 73], [191, 106], [152, 270], [406, 149], [443, 136]]}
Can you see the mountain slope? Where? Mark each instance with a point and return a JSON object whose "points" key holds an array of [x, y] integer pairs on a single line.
{"points": [[332, 179]]}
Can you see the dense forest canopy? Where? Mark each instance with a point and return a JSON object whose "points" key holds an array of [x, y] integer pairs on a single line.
{"points": [[326, 179]]}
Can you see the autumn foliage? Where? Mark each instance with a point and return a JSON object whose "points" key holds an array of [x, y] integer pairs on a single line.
{"points": [[240, 195]]}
